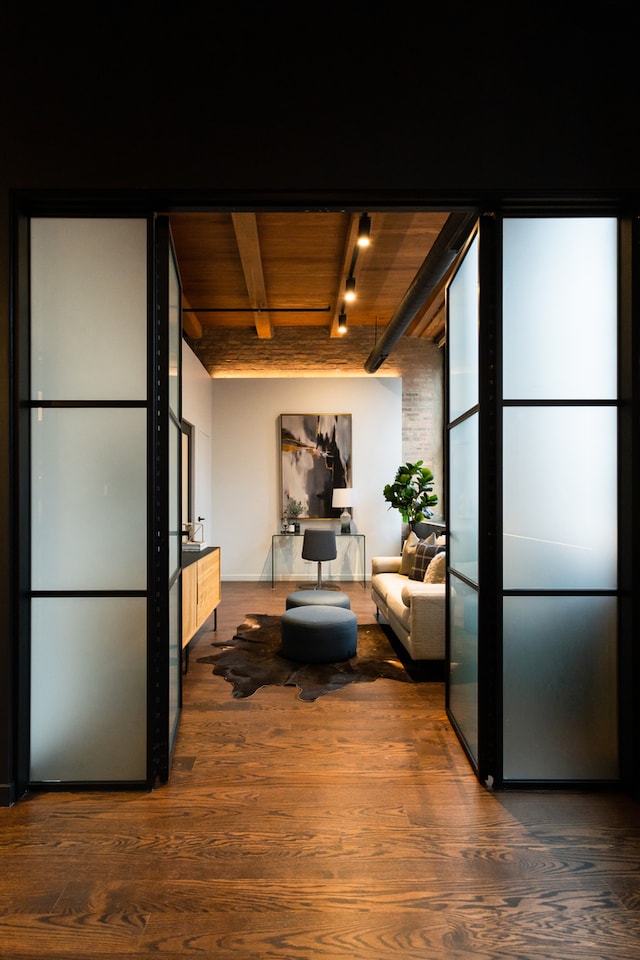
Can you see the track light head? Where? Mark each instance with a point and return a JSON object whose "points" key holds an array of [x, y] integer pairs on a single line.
{"points": [[350, 294], [364, 230], [342, 323]]}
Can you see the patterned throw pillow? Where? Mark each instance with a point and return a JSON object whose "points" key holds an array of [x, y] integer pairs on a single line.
{"points": [[421, 560], [437, 569]]}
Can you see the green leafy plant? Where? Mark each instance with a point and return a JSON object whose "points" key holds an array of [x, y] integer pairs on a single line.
{"points": [[293, 509], [410, 493]]}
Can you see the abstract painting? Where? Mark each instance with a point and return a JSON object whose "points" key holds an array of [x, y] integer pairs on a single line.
{"points": [[315, 457]]}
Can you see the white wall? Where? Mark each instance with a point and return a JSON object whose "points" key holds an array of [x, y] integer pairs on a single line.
{"points": [[196, 409], [245, 469]]}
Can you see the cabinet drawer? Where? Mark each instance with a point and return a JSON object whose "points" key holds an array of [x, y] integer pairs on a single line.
{"points": [[208, 594], [189, 593], [200, 592]]}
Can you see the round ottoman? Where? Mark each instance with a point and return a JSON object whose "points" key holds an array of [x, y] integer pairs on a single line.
{"points": [[318, 634], [325, 598]]}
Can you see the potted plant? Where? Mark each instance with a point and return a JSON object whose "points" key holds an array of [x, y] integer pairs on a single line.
{"points": [[291, 513], [410, 493]]}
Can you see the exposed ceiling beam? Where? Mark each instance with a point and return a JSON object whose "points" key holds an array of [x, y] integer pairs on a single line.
{"points": [[423, 326], [190, 323], [436, 325], [246, 230]]}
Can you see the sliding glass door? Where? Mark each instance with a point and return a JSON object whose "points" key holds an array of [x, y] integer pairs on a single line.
{"points": [[463, 473], [100, 398], [559, 499], [168, 641], [533, 427]]}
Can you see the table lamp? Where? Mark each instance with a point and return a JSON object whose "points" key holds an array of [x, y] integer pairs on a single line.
{"points": [[344, 497]]}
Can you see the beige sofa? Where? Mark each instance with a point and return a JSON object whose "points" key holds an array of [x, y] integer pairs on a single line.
{"points": [[414, 610]]}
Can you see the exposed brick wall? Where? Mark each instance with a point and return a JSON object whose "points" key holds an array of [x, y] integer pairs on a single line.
{"points": [[293, 351], [311, 352]]}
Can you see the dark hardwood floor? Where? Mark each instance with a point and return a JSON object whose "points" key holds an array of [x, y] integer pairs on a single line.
{"points": [[349, 827]]}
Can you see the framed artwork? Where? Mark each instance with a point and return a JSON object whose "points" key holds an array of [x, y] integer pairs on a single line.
{"points": [[315, 457]]}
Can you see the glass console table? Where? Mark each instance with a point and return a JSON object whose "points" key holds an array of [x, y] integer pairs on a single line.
{"points": [[344, 541]]}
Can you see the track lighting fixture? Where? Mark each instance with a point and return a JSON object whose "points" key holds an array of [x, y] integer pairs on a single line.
{"points": [[364, 230], [362, 240], [350, 295]]}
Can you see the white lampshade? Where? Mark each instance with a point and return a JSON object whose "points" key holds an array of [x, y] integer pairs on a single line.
{"points": [[343, 497]]}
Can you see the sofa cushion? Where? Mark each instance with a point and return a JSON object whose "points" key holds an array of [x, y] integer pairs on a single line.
{"points": [[422, 557], [437, 570], [408, 552], [387, 584]]}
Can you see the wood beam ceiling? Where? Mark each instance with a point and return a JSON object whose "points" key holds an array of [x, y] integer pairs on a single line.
{"points": [[245, 226]]}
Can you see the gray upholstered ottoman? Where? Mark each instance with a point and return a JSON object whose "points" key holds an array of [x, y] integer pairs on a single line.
{"points": [[318, 634], [325, 598]]}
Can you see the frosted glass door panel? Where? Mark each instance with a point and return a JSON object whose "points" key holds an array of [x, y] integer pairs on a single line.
{"points": [[559, 688], [175, 534], [88, 309], [175, 658], [560, 309], [88, 689], [174, 336], [463, 494], [560, 498], [89, 494], [462, 335], [463, 677]]}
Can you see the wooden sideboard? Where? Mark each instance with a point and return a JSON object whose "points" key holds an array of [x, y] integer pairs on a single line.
{"points": [[200, 592]]}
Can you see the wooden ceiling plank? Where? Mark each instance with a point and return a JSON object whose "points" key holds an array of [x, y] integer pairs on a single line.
{"points": [[246, 230], [262, 271]]}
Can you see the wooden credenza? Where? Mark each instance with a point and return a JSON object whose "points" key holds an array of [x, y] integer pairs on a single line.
{"points": [[200, 591]]}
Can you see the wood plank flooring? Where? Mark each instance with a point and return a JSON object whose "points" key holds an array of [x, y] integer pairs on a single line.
{"points": [[350, 827]]}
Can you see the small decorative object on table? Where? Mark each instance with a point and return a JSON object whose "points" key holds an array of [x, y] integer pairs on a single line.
{"points": [[194, 533], [290, 514]]}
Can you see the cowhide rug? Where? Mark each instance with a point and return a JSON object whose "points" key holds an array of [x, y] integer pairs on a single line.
{"points": [[251, 660]]}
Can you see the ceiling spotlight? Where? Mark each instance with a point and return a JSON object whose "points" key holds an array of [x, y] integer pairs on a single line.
{"points": [[364, 230], [350, 294], [342, 323]]}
